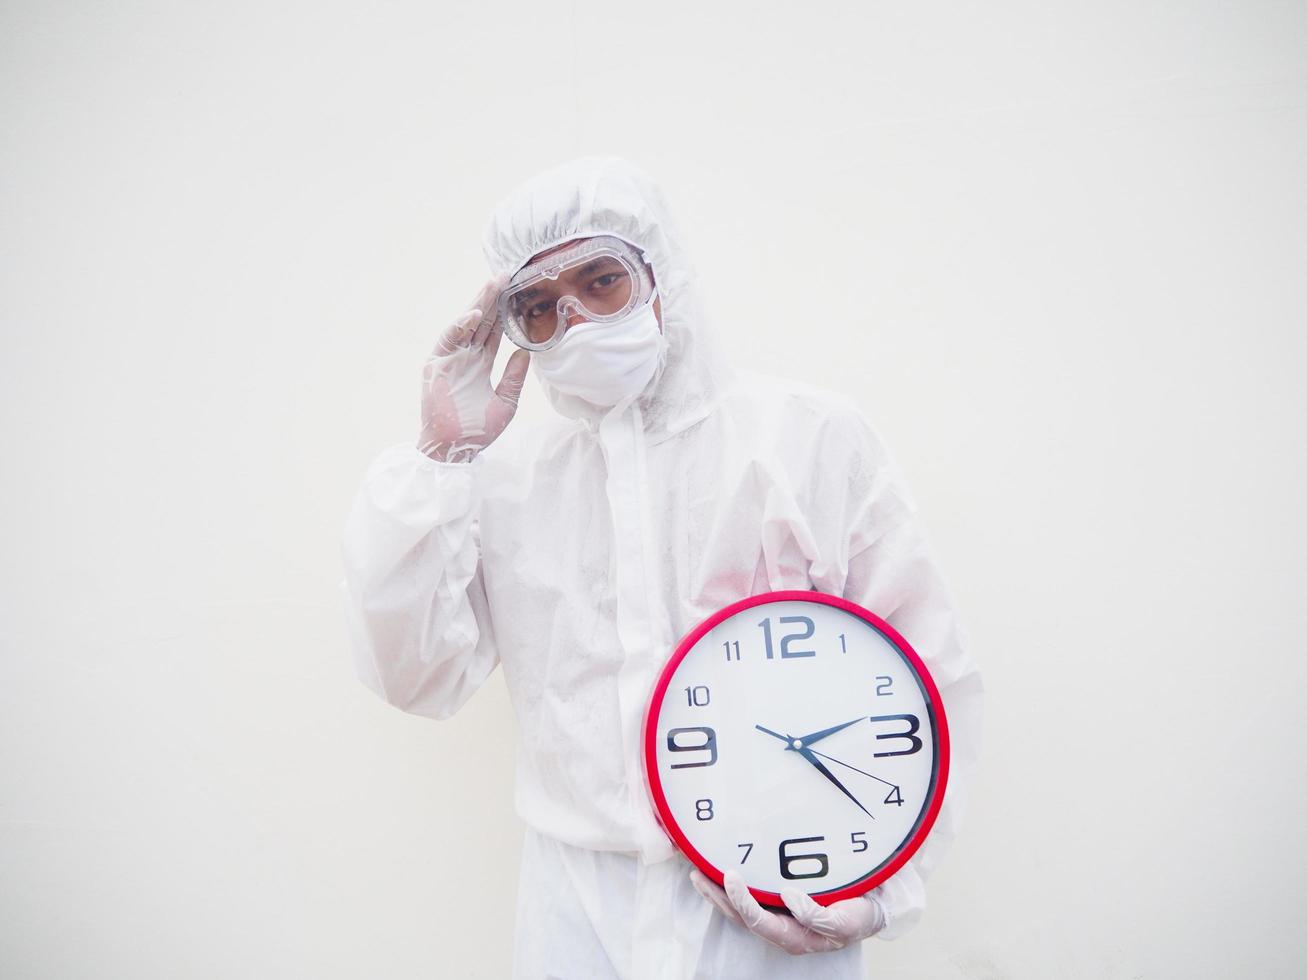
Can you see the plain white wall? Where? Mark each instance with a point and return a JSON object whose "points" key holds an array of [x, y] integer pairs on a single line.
{"points": [[1056, 251]]}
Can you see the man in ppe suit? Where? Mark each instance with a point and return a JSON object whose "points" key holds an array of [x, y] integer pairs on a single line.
{"points": [[666, 485]]}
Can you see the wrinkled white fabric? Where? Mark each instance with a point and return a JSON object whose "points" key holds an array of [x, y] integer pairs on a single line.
{"points": [[606, 363], [576, 556]]}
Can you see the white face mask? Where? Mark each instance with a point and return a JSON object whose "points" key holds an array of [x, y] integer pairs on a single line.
{"points": [[605, 363]]}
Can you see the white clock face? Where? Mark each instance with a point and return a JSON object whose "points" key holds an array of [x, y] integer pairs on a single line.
{"points": [[799, 741]]}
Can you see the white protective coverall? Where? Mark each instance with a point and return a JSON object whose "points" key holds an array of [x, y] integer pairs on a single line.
{"points": [[578, 553]]}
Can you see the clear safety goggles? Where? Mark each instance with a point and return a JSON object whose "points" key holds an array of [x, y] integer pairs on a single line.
{"points": [[599, 280]]}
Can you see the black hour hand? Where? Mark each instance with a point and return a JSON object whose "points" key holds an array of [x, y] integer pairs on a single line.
{"points": [[767, 731], [817, 736]]}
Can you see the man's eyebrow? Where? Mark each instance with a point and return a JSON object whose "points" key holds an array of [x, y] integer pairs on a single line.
{"points": [[594, 265]]}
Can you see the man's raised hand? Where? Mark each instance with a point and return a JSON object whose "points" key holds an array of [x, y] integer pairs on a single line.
{"points": [[461, 412]]}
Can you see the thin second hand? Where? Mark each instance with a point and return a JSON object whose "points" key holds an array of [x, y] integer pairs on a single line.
{"points": [[854, 768]]}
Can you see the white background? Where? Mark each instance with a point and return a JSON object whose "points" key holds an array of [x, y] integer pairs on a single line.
{"points": [[1056, 251]]}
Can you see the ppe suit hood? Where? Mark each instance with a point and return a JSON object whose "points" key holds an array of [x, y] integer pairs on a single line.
{"points": [[607, 195]]}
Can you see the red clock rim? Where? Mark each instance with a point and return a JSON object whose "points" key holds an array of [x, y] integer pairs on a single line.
{"points": [[653, 782]]}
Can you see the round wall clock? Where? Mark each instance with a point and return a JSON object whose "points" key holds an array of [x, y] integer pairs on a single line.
{"points": [[798, 738]]}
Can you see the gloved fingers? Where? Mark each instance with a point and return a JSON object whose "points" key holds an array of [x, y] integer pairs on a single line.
{"points": [[487, 302], [484, 331], [494, 336], [502, 408], [510, 384], [756, 919], [878, 917], [851, 920], [818, 918], [458, 336], [751, 913], [471, 330], [779, 930], [488, 295], [715, 895]]}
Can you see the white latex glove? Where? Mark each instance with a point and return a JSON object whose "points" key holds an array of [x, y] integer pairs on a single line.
{"points": [[814, 928], [461, 412]]}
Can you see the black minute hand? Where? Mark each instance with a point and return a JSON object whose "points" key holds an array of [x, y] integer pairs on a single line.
{"points": [[807, 754]]}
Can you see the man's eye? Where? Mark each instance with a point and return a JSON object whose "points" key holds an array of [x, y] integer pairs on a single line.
{"points": [[538, 310], [607, 280]]}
